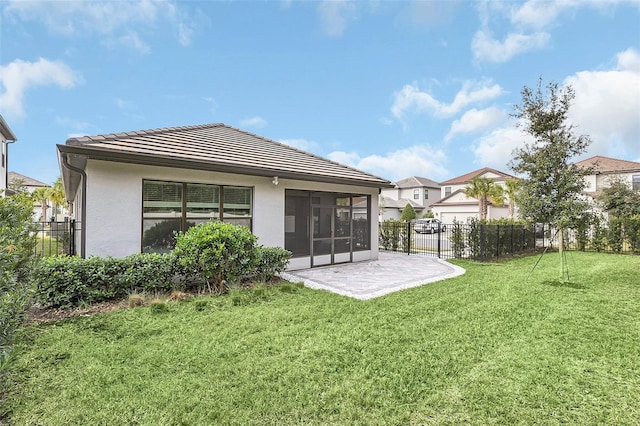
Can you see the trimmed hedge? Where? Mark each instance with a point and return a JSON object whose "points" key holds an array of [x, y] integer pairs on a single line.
{"points": [[65, 281], [212, 254]]}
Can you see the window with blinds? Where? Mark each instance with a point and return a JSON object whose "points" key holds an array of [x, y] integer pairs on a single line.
{"points": [[170, 207]]}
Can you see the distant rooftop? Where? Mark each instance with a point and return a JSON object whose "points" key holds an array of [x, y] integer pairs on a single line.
{"points": [[467, 177], [609, 165], [417, 181], [24, 180]]}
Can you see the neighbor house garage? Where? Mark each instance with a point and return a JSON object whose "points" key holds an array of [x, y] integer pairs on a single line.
{"points": [[131, 191]]}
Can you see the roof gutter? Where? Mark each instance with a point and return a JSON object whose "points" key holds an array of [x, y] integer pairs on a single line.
{"points": [[83, 201], [6, 163], [9, 137]]}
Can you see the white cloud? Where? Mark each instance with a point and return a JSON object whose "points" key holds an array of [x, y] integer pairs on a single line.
{"points": [[540, 14], [133, 41], [496, 149], [19, 76], [629, 60], [333, 15], [302, 144], [253, 122], [487, 49], [417, 160], [411, 99], [607, 107], [109, 19], [475, 121]]}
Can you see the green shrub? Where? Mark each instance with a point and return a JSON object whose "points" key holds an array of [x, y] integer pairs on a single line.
{"points": [[614, 234], [270, 261], [632, 232], [457, 240], [391, 234], [69, 281], [151, 272], [217, 253], [17, 243]]}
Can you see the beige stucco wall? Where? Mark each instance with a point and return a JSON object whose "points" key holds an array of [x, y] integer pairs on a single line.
{"points": [[114, 204]]}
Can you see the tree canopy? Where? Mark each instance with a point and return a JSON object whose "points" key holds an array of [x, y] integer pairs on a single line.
{"points": [[408, 213], [619, 199], [552, 185]]}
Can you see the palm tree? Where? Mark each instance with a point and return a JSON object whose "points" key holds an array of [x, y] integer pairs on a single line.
{"points": [[485, 190], [41, 196], [56, 195], [512, 187]]}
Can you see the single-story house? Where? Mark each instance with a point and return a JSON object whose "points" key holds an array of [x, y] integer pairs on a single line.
{"points": [[456, 205], [132, 190], [418, 191], [20, 182]]}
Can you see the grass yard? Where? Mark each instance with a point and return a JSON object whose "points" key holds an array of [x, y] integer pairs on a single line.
{"points": [[494, 346]]}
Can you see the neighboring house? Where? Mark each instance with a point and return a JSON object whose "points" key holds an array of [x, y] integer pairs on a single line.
{"points": [[455, 205], [6, 137], [605, 169], [420, 192], [132, 190], [24, 183]]}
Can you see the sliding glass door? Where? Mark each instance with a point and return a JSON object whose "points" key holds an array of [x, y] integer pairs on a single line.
{"points": [[333, 230]]}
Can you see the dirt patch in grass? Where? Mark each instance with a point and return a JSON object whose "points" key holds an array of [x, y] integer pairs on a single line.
{"points": [[40, 315]]}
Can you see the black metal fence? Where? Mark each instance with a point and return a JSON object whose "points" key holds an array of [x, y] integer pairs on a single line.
{"points": [[468, 241], [618, 236], [56, 238]]}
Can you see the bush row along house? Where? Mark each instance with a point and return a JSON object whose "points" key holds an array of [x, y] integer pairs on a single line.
{"points": [[452, 203], [131, 191]]}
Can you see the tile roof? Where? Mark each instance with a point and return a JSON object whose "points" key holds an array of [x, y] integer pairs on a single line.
{"points": [[24, 180], [609, 165], [417, 181], [392, 203], [217, 147], [466, 178]]}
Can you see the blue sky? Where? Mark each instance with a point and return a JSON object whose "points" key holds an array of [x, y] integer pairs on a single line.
{"points": [[394, 88]]}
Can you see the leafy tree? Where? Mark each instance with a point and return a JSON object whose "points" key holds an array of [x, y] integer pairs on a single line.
{"points": [[408, 213], [619, 199], [485, 190], [511, 190], [17, 185], [552, 184], [428, 215]]}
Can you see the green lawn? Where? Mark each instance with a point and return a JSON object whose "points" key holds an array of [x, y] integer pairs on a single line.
{"points": [[494, 346]]}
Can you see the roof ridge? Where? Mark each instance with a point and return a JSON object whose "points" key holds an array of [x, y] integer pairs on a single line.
{"points": [[299, 150], [471, 175], [144, 132]]}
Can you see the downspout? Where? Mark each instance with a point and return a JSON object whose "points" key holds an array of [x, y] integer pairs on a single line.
{"points": [[6, 160], [83, 229]]}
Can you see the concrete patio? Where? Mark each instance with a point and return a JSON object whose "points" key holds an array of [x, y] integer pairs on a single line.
{"points": [[366, 280]]}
